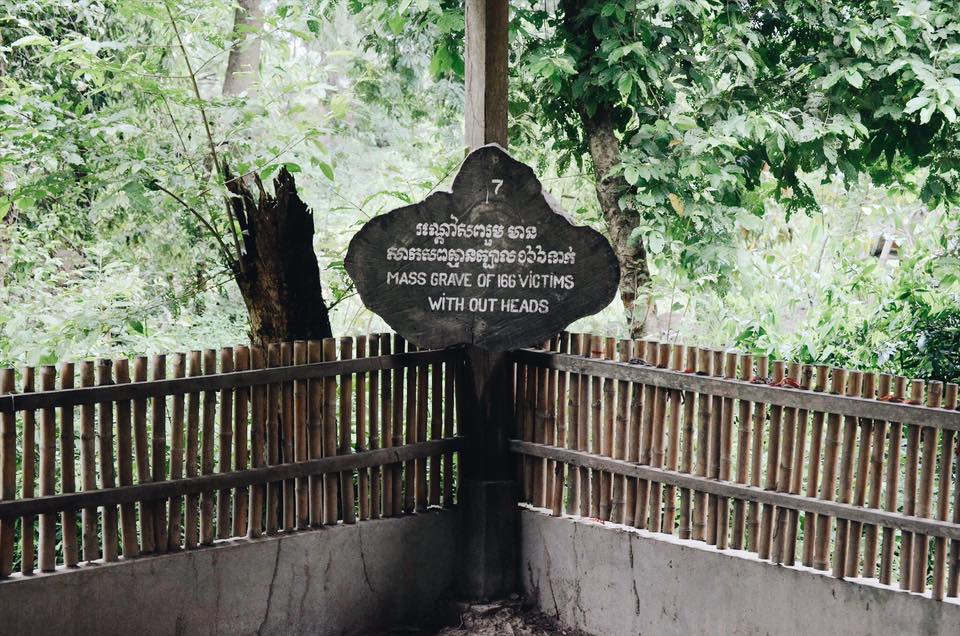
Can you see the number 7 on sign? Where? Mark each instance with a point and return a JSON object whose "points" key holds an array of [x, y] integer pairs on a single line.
{"points": [[496, 190]]}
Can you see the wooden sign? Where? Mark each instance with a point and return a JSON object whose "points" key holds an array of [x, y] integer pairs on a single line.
{"points": [[493, 263]]}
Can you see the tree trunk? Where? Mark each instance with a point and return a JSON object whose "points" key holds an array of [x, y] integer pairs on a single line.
{"points": [[243, 63], [634, 271], [604, 148], [278, 275]]}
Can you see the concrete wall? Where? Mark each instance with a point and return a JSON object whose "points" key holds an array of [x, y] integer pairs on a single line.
{"points": [[335, 580], [607, 579]]}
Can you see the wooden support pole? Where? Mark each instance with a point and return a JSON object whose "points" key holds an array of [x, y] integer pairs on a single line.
{"points": [[489, 492], [486, 72]]}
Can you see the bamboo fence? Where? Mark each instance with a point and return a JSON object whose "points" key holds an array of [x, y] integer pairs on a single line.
{"points": [[240, 442], [851, 473]]}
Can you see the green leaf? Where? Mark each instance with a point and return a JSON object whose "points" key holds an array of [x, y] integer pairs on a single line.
{"points": [[745, 59], [655, 242], [34, 39], [625, 85], [326, 169], [292, 167], [916, 104]]}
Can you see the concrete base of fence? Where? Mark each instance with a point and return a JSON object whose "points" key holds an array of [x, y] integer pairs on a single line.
{"points": [[334, 580], [607, 579]]}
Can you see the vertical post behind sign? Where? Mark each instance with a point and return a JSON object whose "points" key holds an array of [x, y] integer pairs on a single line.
{"points": [[489, 513]]}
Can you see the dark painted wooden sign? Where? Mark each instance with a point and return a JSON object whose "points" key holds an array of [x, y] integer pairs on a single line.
{"points": [[493, 263]]}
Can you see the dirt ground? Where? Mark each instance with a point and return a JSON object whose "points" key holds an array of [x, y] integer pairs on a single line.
{"points": [[501, 618]]}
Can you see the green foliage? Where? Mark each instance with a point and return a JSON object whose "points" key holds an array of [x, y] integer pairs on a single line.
{"points": [[731, 118], [707, 97]]}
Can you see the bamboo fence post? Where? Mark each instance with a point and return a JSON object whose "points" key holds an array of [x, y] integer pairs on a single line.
{"points": [[910, 488], [331, 481], [537, 383], [409, 435], [796, 472], [206, 450], [726, 451], [649, 356], [272, 438], [943, 495], [258, 439], [657, 442], [348, 498], [141, 446], [48, 478], [921, 542], [673, 443], [68, 474], [386, 417], [813, 470], [890, 491], [876, 483], [315, 424], [781, 534], [287, 416], [526, 398], [399, 346], [423, 396], [606, 433], [768, 512], [107, 475], [573, 427], [854, 383], [28, 476], [176, 456], [868, 391], [190, 518], [436, 429], [363, 479], [449, 416], [743, 455], [560, 391], [619, 500], [8, 473], [686, 461], [703, 364], [88, 472], [551, 428], [583, 431], [756, 458], [713, 459], [301, 486], [596, 430], [241, 442], [128, 512], [158, 419], [629, 396], [947, 455], [373, 397]]}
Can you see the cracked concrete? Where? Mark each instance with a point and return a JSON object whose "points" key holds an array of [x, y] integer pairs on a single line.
{"points": [[612, 580], [267, 586]]}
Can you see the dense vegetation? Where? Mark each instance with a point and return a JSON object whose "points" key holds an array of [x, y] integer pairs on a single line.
{"points": [[745, 158]]}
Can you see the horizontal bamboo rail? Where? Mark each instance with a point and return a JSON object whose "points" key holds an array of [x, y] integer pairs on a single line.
{"points": [[234, 479], [932, 527], [157, 388], [904, 413]]}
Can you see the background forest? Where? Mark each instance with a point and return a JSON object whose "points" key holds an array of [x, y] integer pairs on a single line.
{"points": [[779, 177]]}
